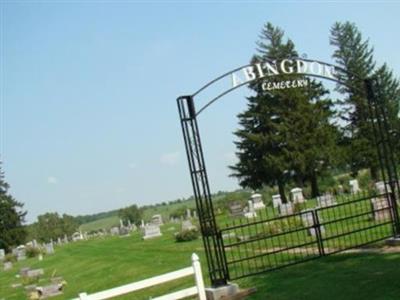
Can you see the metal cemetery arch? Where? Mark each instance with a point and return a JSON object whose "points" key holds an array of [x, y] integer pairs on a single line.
{"points": [[212, 236]]}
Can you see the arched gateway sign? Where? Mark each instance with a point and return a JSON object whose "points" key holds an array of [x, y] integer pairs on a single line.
{"points": [[249, 253]]}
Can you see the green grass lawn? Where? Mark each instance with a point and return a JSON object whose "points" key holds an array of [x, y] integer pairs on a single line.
{"points": [[343, 276], [95, 265]]}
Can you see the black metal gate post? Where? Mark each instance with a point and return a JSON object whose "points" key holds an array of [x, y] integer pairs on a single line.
{"points": [[211, 237], [384, 145]]}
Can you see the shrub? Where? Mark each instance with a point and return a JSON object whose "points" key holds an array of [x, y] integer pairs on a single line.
{"points": [[32, 251], [10, 258], [187, 235]]}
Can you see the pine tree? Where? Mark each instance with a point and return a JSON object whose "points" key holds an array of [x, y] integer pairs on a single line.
{"points": [[12, 231], [355, 56], [284, 135]]}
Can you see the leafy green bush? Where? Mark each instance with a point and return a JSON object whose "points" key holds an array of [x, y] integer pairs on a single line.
{"points": [[187, 235], [32, 251]]}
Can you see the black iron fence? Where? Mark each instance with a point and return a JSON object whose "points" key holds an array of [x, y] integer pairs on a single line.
{"points": [[264, 243]]}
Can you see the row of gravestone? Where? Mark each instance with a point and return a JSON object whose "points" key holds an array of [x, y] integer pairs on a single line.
{"points": [[256, 203]]}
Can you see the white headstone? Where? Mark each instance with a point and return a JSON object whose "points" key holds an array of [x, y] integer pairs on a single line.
{"points": [[49, 248], [380, 187], [276, 200], [354, 187], [121, 223], [257, 201], [326, 200], [114, 230], [285, 209], [188, 214], [251, 213], [142, 224], [2, 254], [297, 195], [151, 231], [187, 225], [308, 221]]}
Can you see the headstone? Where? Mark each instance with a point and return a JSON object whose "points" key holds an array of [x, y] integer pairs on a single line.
{"points": [[195, 214], [35, 244], [251, 213], [235, 209], [50, 290], [285, 209], [326, 200], [151, 231], [114, 231], [8, 265], [59, 242], [340, 189], [121, 223], [142, 224], [297, 195], [257, 201], [2, 254], [49, 248], [187, 225], [21, 253], [34, 273], [65, 239], [308, 221], [156, 220], [77, 236], [380, 187], [276, 200], [24, 271], [380, 209], [354, 186], [188, 214]]}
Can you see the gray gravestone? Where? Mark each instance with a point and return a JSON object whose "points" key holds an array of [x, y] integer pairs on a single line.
{"points": [[34, 273], [156, 220], [188, 214], [326, 200], [380, 209], [151, 231], [236, 209], [285, 209]]}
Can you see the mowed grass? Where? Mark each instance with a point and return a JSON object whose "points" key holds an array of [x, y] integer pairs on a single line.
{"points": [[95, 265], [105, 223], [342, 276]]}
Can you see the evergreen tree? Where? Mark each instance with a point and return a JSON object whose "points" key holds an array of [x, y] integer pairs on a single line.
{"points": [[355, 56], [12, 230], [284, 134]]}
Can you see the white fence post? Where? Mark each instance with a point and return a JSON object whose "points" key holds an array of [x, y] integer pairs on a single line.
{"points": [[83, 296], [198, 277]]}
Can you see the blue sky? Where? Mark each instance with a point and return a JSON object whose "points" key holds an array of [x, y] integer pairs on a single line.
{"points": [[88, 114]]}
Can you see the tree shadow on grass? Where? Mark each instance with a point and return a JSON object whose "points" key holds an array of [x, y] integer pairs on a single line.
{"points": [[343, 276]]}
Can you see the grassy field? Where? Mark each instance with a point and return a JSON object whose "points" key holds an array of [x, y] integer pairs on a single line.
{"points": [[90, 266]]}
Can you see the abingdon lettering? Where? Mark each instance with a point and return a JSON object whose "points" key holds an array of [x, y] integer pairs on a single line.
{"points": [[285, 66]]}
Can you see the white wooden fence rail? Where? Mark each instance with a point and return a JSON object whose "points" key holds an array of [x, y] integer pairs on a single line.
{"points": [[195, 270]]}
